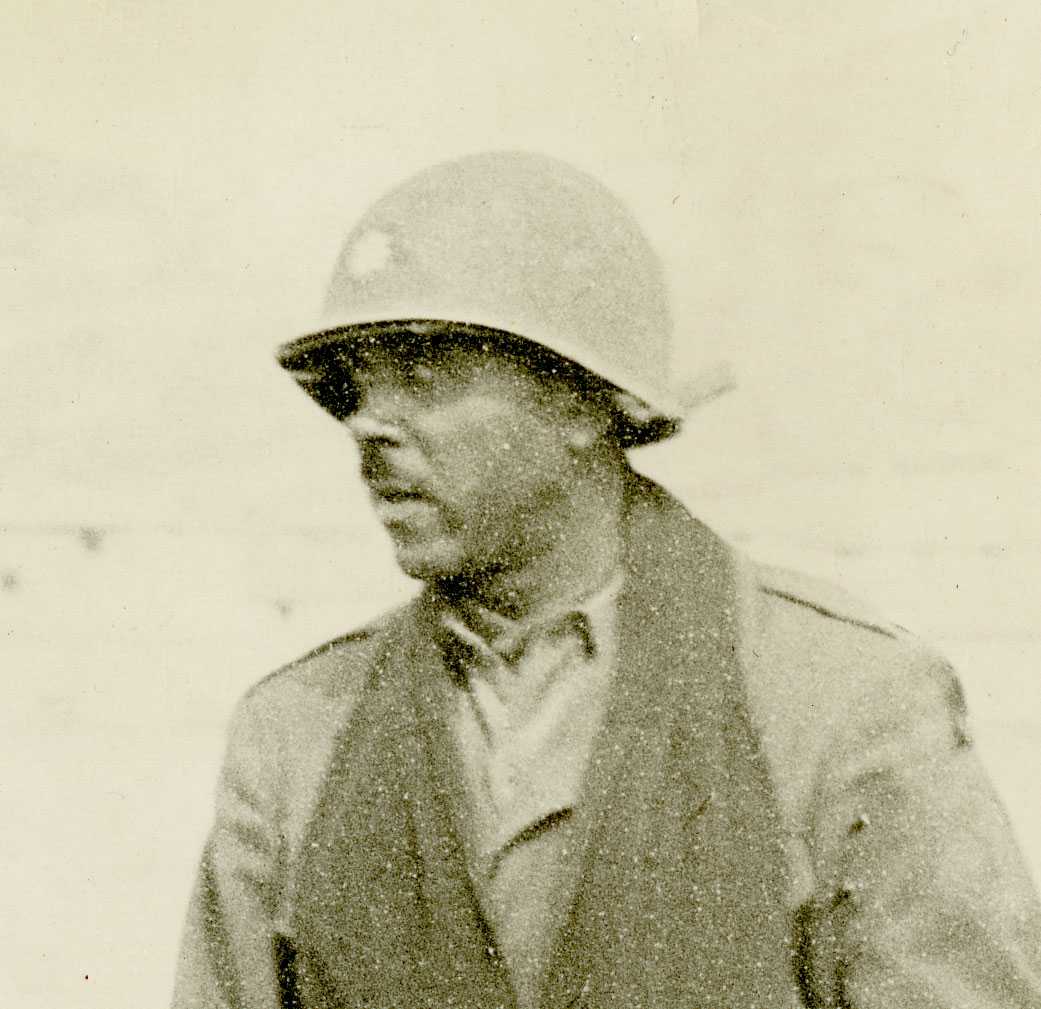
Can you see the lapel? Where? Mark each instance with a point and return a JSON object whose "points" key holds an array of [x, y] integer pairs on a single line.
{"points": [[681, 838], [389, 915]]}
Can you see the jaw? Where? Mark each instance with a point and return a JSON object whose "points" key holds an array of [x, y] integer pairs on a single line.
{"points": [[429, 551], [454, 558], [504, 552], [424, 566]]}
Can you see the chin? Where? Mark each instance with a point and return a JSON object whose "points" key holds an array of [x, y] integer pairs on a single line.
{"points": [[428, 561]]}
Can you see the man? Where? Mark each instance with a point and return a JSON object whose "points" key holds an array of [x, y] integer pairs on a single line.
{"points": [[601, 759]]}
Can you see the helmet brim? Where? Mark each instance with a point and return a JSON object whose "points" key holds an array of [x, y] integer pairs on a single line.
{"points": [[322, 362]]}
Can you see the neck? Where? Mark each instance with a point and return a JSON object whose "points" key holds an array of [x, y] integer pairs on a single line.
{"points": [[581, 546]]}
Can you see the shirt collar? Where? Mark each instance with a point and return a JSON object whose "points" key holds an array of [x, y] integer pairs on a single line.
{"points": [[468, 631]]}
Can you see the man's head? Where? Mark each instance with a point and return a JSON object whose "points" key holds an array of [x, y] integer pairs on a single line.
{"points": [[496, 329], [473, 446]]}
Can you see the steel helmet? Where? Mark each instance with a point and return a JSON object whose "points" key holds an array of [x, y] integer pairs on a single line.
{"points": [[512, 242]]}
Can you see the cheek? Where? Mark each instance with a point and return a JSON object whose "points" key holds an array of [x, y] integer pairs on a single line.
{"points": [[485, 451]]}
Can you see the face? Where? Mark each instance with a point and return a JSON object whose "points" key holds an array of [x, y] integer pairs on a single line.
{"points": [[467, 455]]}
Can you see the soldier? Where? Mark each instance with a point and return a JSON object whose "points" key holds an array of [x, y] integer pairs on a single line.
{"points": [[601, 759]]}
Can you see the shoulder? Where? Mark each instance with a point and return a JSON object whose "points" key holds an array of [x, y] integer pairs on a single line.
{"points": [[809, 598], [811, 643], [808, 619], [329, 677], [828, 676], [284, 728], [326, 669]]}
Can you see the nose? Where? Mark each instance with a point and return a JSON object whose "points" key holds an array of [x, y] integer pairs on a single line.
{"points": [[367, 427], [376, 418], [376, 429]]}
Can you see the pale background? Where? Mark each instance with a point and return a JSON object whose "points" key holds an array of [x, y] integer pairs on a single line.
{"points": [[849, 202]]}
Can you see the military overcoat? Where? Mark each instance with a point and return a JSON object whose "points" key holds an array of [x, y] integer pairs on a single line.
{"points": [[784, 808]]}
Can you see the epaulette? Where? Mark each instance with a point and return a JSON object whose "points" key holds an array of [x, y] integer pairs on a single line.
{"points": [[824, 598]]}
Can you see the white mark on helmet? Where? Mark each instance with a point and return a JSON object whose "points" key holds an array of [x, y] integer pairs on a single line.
{"points": [[369, 254]]}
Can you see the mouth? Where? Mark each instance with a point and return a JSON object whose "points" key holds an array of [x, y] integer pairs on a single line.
{"points": [[397, 495]]}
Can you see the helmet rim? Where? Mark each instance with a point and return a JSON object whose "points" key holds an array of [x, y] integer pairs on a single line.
{"points": [[316, 366]]}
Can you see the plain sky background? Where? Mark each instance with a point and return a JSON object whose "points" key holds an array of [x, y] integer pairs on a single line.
{"points": [[848, 201]]}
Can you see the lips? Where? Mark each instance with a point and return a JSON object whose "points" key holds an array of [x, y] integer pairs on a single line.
{"points": [[394, 494]]}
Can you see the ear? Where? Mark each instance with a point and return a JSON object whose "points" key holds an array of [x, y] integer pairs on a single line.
{"points": [[581, 436], [587, 424]]}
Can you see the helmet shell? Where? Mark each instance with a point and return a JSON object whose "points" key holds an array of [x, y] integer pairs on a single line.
{"points": [[510, 241]]}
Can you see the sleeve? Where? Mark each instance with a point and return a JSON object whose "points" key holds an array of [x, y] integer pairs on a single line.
{"points": [[230, 949], [927, 900]]}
